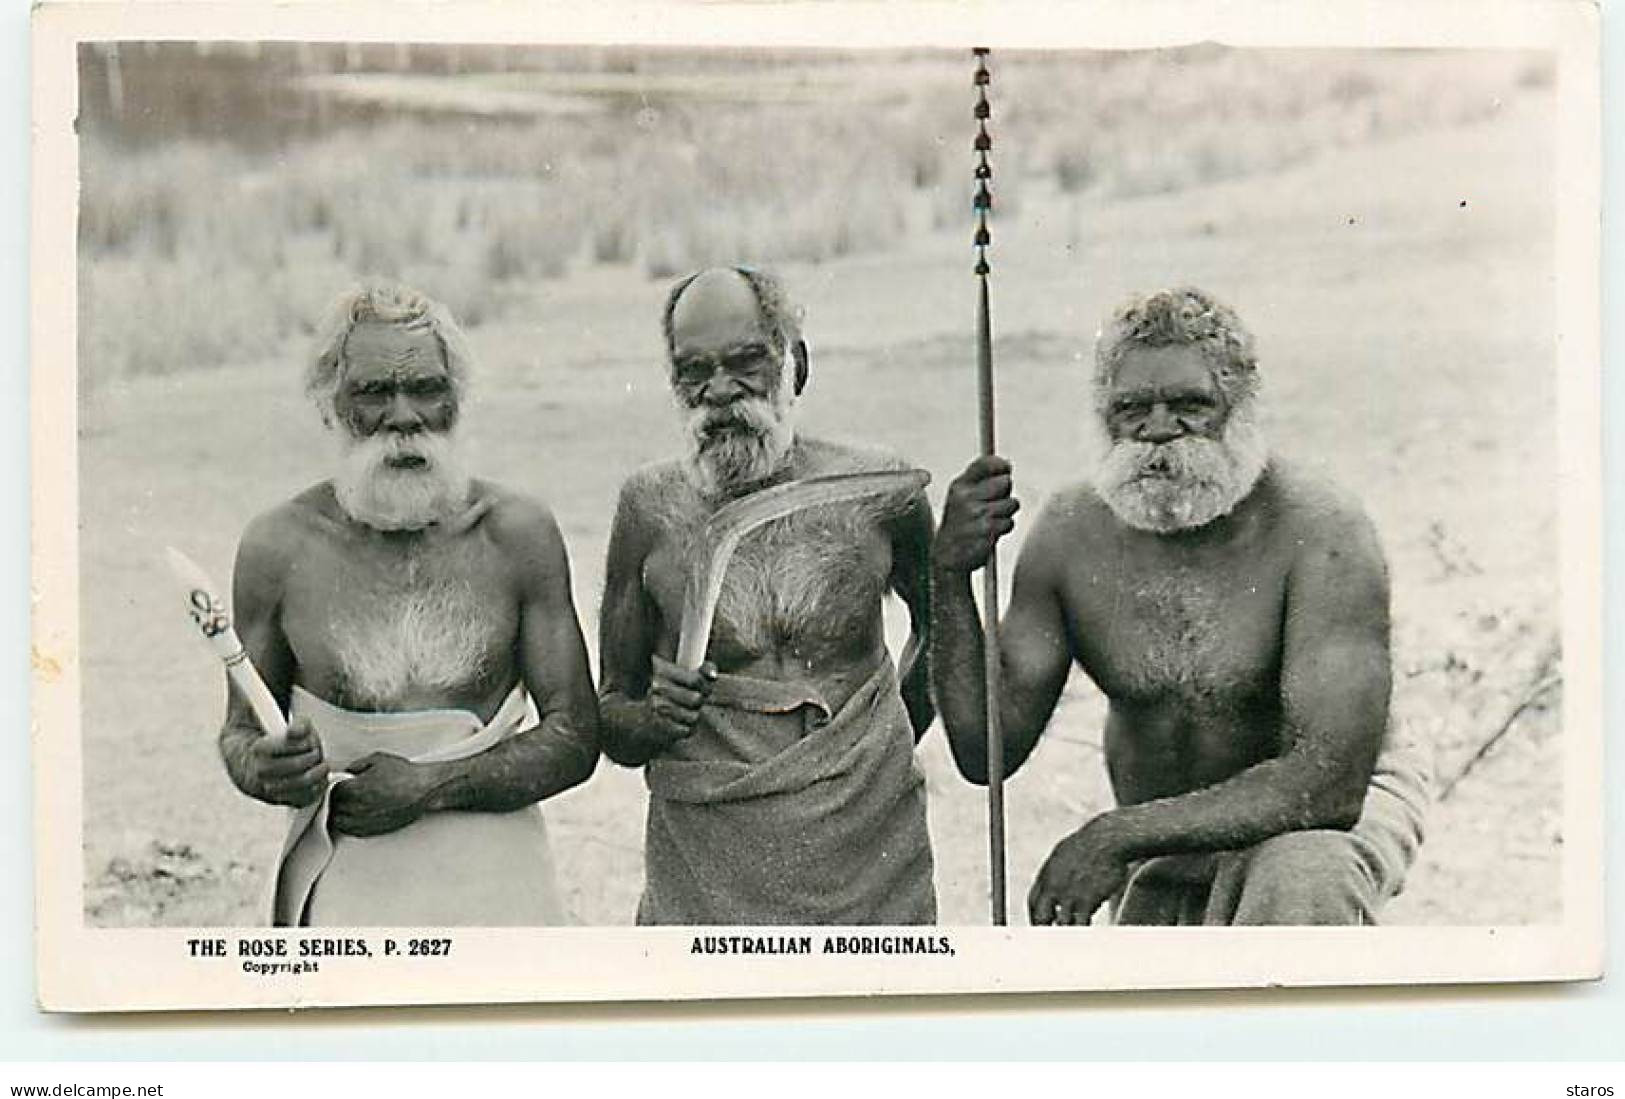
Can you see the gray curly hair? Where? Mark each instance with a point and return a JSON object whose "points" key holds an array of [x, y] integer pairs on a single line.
{"points": [[781, 316], [382, 303], [1184, 316]]}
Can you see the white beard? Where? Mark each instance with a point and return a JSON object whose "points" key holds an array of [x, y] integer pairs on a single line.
{"points": [[742, 444], [1184, 484], [387, 497]]}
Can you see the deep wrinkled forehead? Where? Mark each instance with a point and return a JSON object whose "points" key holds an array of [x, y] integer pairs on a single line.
{"points": [[1161, 372], [376, 350]]}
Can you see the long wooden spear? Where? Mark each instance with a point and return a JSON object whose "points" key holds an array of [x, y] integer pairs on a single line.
{"points": [[991, 669]]}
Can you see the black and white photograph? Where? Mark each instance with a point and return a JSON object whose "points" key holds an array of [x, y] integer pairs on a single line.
{"points": [[948, 513]]}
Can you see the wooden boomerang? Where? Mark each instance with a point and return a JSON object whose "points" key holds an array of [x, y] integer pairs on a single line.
{"points": [[731, 522], [208, 611]]}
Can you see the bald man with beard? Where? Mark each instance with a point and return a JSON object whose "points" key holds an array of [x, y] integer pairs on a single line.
{"points": [[1235, 614], [402, 613], [782, 785]]}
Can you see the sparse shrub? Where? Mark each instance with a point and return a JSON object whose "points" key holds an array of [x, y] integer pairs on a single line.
{"points": [[503, 260], [614, 240], [1075, 167], [662, 254]]}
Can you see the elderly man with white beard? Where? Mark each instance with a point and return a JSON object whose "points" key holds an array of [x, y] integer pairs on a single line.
{"points": [[782, 785], [1235, 614], [401, 613]]}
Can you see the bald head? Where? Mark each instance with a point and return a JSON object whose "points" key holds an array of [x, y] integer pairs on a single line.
{"points": [[717, 308]]}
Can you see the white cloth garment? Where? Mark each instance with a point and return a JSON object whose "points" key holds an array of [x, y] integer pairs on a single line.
{"points": [[446, 869]]}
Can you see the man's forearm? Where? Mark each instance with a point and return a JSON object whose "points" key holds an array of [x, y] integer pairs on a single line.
{"points": [[959, 675], [1282, 795], [235, 741], [914, 674], [534, 765], [956, 670]]}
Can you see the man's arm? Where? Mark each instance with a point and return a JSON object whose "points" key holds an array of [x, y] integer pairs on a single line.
{"points": [[911, 580], [294, 773], [644, 713], [1033, 649], [1335, 678], [559, 752]]}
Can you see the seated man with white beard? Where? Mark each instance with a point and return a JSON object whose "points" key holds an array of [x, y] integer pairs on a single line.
{"points": [[400, 613], [1234, 613], [782, 785]]}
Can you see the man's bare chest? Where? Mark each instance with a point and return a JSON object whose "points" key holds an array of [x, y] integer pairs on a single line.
{"points": [[811, 583], [1157, 635], [375, 627]]}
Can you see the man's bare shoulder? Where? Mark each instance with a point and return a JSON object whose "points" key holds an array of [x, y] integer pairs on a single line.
{"points": [[1073, 514], [1317, 512], [823, 457], [515, 521], [826, 456], [281, 528], [275, 537], [650, 489], [654, 500], [1060, 539]]}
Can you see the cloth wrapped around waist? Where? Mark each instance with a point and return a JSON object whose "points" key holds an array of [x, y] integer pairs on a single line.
{"points": [[446, 869], [777, 810], [1207, 888]]}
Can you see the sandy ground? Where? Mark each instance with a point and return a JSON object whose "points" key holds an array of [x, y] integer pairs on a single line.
{"points": [[1401, 294]]}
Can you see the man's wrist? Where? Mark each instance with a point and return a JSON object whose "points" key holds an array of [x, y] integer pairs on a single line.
{"points": [[1110, 833], [623, 720], [649, 726], [633, 730], [445, 786], [234, 749]]}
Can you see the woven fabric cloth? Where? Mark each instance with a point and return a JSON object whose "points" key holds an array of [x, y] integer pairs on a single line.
{"points": [[777, 810]]}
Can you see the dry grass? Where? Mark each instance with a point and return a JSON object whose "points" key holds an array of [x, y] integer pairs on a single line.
{"points": [[198, 254], [1160, 123]]}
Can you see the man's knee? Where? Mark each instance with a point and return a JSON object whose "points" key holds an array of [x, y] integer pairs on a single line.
{"points": [[1312, 877]]}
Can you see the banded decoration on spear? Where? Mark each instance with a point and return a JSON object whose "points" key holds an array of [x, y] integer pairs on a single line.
{"points": [[982, 203]]}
